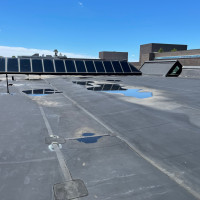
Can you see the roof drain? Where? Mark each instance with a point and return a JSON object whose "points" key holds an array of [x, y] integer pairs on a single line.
{"points": [[51, 146]]}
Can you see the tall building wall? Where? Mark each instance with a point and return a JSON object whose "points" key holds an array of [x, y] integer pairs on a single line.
{"points": [[186, 58], [155, 47], [168, 47], [178, 53], [113, 55], [145, 49], [149, 52]]}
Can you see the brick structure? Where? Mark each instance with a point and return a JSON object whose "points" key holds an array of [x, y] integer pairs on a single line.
{"points": [[113, 55], [149, 52]]}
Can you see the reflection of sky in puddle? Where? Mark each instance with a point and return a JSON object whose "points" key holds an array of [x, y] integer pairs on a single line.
{"points": [[106, 87], [83, 82], [40, 92], [89, 139], [132, 93], [115, 89], [88, 134]]}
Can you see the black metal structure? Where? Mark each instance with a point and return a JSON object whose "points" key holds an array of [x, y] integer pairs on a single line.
{"points": [[53, 66], [7, 84]]}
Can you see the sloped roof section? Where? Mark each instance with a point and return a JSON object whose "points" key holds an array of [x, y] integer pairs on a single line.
{"points": [[191, 71], [162, 68]]}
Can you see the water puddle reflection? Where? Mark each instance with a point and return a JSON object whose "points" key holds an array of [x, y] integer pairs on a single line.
{"points": [[115, 89], [113, 80], [40, 92], [137, 93], [89, 138], [83, 82]]}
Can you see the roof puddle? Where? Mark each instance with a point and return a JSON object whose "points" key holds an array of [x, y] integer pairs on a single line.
{"points": [[115, 89], [89, 138]]}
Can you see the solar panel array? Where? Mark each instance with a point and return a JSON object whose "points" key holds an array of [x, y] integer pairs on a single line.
{"points": [[67, 66]]}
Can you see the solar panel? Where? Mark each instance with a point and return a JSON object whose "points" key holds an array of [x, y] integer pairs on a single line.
{"points": [[12, 65], [67, 66], [117, 66], [25, 65], [37, 65], [90, 66], [108, 66], [48, 65], [2, 64], [99, 66], [80, 66], [133, 69], [125, 67], [59, 64], [70, 66]]}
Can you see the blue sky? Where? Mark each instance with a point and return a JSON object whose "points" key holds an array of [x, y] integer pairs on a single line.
{"points": [[86, 27]]}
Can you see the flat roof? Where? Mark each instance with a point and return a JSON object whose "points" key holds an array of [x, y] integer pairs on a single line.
{"points": [[120, 146]]}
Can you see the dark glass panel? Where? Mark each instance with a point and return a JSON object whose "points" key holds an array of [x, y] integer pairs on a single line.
{"points": [[80, 66], [28, 91], [60, 67], [133, 69], [12, 65], [90, 66], [117, 67], [2, 64], [38, 91], [116, 87], [125, 67], [37, 65], [25, 65], [99, 66], [48, 65], [107, 87], [108, 66], [70, 66]]}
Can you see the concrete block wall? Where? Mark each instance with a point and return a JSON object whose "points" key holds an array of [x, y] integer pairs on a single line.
{"points": [[178, 53], [183, 61], [113, 55]]}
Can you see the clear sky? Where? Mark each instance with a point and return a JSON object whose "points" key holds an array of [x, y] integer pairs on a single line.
{"points": [[86, 27]]}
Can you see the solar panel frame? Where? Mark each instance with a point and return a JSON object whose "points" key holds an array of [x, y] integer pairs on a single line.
{"points": [[113, 67], [94, 66]]}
